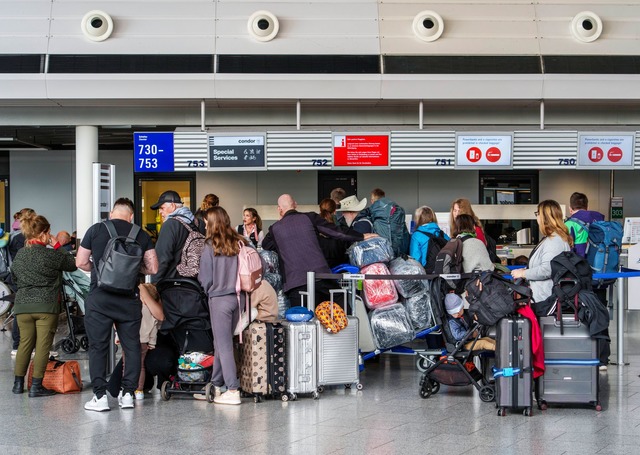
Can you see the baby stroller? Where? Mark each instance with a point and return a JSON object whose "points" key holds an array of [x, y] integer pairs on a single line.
{"points": [[186, 310], [75, 287], [456, 367]]}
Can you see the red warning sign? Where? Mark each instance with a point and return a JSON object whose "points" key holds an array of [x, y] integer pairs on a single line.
{"points": [[614, 154], [474, 154], [595, 154], [494, 154]]}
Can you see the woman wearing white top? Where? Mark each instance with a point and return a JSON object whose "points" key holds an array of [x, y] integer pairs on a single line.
{"points": [[251, 227], [556, 240]]}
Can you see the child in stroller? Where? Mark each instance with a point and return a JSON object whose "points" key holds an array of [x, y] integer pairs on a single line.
{"points": [[456, 367], [460, 322]]}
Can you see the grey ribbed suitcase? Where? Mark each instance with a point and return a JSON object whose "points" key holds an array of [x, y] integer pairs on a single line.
{"points": [[571, 364], [338, 357], [514, 372]]}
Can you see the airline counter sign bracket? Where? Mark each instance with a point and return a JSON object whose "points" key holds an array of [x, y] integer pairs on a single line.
{"points": [[605, 150], [484, 151], [361, 151]]}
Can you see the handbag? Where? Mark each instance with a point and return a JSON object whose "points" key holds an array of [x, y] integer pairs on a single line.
{"points": [[331, 316], [62, 377]]}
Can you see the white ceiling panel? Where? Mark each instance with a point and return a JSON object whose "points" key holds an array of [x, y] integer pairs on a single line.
{"points": [[24, 26]]}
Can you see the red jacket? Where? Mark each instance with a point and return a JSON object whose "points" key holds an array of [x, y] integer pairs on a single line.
{"points": [[537, 347]]}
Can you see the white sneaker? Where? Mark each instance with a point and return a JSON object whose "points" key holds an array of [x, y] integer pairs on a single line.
{"points": [[53, 354], [139, 395], [96, 404], [125, 401], [602, 368], [14, 352], [228, 397]]}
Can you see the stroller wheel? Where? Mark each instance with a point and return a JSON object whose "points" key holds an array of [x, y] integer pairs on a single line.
{"points": [[487, 394], [84, 343], [209, 392], [425, 390], [69, 345], [164, 392], [76, 345], [422, 364], [435, 387]]}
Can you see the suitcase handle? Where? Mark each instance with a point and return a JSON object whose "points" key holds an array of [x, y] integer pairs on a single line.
{"points": [[346, 304], [567, 323]]}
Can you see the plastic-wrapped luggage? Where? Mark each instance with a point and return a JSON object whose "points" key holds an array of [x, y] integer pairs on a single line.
{"points": [[274, 279], [270, 261], [409, 266], [391, 326], [418, 309], [378, 293], [283, 304], [376, 249]]}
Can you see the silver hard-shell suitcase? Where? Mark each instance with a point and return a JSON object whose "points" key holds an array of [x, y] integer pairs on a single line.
{"points": [[302, 370], [571, 364], [338, 357], [366, 341]]}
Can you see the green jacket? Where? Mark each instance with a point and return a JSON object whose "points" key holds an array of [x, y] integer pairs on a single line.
{"points": [[37, 273]]}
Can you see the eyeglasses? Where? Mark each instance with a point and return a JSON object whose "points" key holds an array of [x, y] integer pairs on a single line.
{"points": [[536, 213]]}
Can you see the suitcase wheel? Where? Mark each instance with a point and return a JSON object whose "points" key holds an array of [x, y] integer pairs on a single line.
{"points": [[359, 386], [257, 399], [542, 405], [347, 386], [598, 407], [316, 395], [284, 397], [502, 412], [320, 389], [528, 412]]}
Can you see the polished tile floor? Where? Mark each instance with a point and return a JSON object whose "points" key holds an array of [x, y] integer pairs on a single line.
{"points": [[387, 417]]}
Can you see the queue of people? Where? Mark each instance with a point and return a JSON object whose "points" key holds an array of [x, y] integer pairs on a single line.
{"points": [[303, 241]]}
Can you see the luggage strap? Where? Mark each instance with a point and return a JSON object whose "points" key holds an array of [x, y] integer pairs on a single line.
{"points": [[510, 372], [568, 362]]}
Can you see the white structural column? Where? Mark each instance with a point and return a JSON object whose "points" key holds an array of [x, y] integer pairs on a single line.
{"points": [[86, 155]]}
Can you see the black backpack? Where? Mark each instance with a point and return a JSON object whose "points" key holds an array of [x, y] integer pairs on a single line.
{"points": [[449, 261], [119, 266], [492, 297], [436, 243]]}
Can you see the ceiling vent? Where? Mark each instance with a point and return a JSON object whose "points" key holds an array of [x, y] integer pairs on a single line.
{"points": [[263, 26], [428, 25], [97, 25], [586, 26]]}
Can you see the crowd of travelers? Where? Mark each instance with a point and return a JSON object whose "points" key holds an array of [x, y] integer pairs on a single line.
{"points": [[151, 337]]}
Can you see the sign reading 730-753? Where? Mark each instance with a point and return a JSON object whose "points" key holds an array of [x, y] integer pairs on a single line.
{"points": [[153, 152]]}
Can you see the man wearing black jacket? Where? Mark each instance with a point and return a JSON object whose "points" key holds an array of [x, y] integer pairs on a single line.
{"points": [[295, 238]]}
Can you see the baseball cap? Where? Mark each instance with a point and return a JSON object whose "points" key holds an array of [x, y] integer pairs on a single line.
{"points": [[167, 196]]}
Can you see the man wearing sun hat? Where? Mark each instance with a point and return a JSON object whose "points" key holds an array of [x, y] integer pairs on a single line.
{"points": [[351, 208]]}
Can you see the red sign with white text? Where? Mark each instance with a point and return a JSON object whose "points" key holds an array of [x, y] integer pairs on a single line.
{"points": [[361, 150]]}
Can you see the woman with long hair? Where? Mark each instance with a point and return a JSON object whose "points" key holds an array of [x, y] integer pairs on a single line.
{"points": [[251, 227], [463, 206], [426, 230], [556, 240], [218, 273], [37, 271]]}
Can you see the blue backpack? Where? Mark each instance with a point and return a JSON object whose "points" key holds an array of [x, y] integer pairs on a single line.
{"points": [[603, 245]]}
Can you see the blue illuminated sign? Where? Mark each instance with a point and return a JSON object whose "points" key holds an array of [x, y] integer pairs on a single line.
{"points": [[153, 152]]}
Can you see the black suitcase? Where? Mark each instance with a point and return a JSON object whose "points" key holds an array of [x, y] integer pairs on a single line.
{"points": [[513, 371], [571, 364]]}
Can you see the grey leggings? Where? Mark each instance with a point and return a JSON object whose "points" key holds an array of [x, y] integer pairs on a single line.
{"points": [[224, 315]]}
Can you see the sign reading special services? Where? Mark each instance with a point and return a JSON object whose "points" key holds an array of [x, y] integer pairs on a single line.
{"points": [[236, 153], [605, 150], [361, 150], [477, 150]]}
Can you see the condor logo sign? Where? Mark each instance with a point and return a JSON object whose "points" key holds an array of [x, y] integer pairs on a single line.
{"points": [[481, 151], [606, 151]]}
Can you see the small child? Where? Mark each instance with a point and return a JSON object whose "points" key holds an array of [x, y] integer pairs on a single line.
{"points": [[459, 324], [152, 317]]}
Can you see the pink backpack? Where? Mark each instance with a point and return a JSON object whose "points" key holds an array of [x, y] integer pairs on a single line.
{"points": [[249, 269]]}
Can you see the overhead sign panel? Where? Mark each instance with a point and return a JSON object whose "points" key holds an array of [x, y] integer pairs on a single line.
{"points": [[237, 152], [605, 150], [369, 151], [153, 152], [478, 150]]}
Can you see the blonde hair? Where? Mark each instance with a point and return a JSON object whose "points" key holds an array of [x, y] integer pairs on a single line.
{"points": [[33, 226], [552, 221], [424, 215], [465, 209]]}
